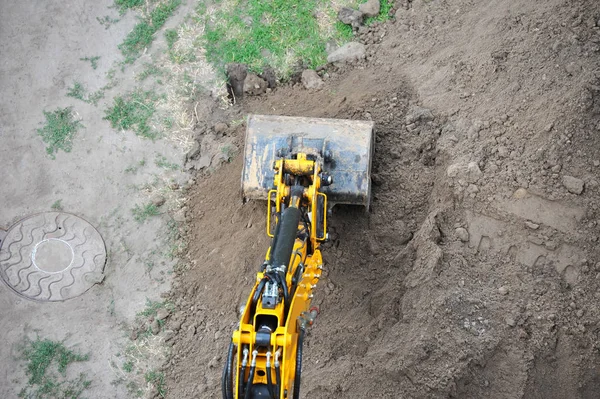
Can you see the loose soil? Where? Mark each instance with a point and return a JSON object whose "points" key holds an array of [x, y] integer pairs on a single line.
{"points": [[475, 272]]}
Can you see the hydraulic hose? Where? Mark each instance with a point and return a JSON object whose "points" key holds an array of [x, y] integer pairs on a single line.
{"points": [[277, 374], [226, 381], [269, 377], [298, 364], [251, 375], [242, 374]]}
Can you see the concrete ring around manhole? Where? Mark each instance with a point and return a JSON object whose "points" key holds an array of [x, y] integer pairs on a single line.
{"points": [[52, 256]]}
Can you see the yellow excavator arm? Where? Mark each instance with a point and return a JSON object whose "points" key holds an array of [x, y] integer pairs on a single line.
{"points": [[291, 162], [265, 355]]}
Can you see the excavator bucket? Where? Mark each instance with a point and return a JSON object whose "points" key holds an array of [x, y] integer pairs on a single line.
{"points": [[344, 145]]}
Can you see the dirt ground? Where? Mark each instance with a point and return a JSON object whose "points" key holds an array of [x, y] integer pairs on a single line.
{"points": [[475, 274]]}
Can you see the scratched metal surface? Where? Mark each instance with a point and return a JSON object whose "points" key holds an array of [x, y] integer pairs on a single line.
{"points": [[350, 143]]}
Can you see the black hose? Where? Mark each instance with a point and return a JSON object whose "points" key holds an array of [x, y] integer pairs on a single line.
{"points": [[250, 382], [226, 381], [257, 293], [298, 364], [277, 380], [241, 382], [270, 382]]}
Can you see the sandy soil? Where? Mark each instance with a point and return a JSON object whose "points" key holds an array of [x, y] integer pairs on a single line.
{"points": [[41, 46], [475, 272]]}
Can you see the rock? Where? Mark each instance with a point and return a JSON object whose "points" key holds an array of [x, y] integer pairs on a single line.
{"points": [[462, 234], [162, 314], [176, 325], [418, 114], [157, 199], [220, 128], [94, 277], [350, 16], [510, 321], [370, 9], [349, 52], [194, 152], [133, 335], [155, 327], [180, 216], [503, 290], [311, 80], [472, 189], [236, 76], [573, 184], [254, 86], [531, 225], [579, 313], [473, 172]]}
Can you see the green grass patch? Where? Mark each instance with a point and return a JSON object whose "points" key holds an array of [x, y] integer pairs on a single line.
{"points": [[384, 13], [124, 5], [46, 366], [171, 37], [57, 205], [128, 366], [77, 91], [150, 70], [93, 61], [143, 32], [162, 162], [152, 308], [59, 130], [142, 212], [134, 112], [158, 380]]}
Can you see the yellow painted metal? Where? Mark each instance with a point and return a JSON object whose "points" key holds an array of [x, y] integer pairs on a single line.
{"points": [[285, 336]]}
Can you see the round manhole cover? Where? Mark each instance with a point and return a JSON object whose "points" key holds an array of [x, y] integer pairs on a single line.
{"points": [[52, 256]]}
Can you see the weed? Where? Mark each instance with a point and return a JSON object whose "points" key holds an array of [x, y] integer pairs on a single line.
{"points": [[133, 112], [134, 168], [111, 307], [107, 21], [141, 213], [171, 37], [93, 61], [162, 162], [41, 357], [59, 130], [150, 70], [57, 205], [153, 306], [228, 151], [77, 91], [128, 366], [143, 32], [175, 244], [158, 380], [124, 5]]}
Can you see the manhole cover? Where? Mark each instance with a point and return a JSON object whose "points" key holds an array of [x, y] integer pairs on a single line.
{"points": [[52, 256]]}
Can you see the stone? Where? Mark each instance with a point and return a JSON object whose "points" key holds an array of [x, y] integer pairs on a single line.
{"points": [[462, 234], [180, 216], [194, 152], [350, 16], [162, 314], [157, 200], [573, 184], [531, 225], [419, 114], [220, 128], [503, 290], [155, 327], [176, 325], [510, 321], [473, 172], [349, 52], [254, 86], [370, 9], [311, 80]]}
